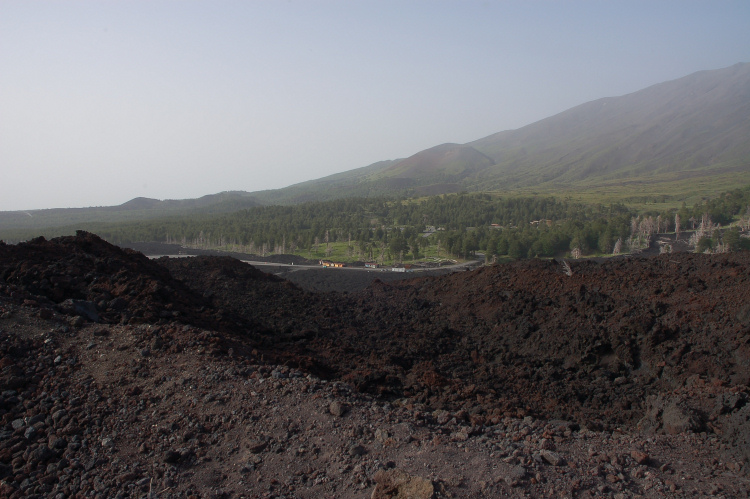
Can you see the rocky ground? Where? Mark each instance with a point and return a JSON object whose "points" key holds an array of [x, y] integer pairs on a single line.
{"points": [[204, 377]]}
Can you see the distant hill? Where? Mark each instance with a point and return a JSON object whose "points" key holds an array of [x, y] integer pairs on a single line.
{"points": [[222, 202], [136, 209]]}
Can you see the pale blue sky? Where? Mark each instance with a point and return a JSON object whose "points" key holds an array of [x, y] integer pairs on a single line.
{"points": [[101, 102]]}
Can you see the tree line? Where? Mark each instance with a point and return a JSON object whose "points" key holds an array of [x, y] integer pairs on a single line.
{"points": [[456, 226], [461, 225]]}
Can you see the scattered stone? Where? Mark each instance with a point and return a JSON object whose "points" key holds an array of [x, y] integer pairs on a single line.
{"points": [[77, 321], [81, 308], [551, 457], [396, 484], [42, 454], [357, 450], [514, 475], [677, 419], [459, 436], [59, 443], [639, 457], [382, 435], [337, 408], [171, 457], [257, 446]]}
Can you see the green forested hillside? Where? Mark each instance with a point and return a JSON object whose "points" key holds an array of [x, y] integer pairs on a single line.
{"points": [[408, 229]]}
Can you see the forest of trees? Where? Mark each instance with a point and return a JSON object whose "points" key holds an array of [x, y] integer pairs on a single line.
{"points": [[460, 225], [467, 223]]}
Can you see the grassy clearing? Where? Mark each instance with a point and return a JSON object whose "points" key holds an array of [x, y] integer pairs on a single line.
{"points": [[642, 194], [341, 251]]}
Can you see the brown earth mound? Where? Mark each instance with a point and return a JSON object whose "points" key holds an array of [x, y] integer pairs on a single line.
{"points": [[653, 346]]}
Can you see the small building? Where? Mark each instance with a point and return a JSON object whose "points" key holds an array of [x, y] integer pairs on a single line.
{"points": [[371, 265], [327, 263]]}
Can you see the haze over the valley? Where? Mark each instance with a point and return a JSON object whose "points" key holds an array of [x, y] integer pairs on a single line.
{"points": [[104, 102]]}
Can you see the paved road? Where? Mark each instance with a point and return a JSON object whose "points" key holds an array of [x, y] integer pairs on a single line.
{"points": [[455, 267]]}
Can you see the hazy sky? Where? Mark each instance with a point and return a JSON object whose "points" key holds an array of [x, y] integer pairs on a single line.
{"points": [[104, 101]]}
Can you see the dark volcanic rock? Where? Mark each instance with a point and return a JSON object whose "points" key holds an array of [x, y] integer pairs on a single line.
{"points": [[590, 347], [518, 339], [196, 381], [86, 276]]}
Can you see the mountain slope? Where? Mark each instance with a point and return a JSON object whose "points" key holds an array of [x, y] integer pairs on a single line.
{"points": [[698, 124], [682, 137], [352, 183], [687, 138], [450, 161]]}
